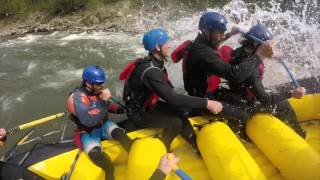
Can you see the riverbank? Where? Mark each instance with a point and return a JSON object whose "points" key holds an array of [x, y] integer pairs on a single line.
{"points": [[109, 16], [116, 16]]}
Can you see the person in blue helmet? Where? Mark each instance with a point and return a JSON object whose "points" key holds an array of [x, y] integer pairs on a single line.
{"points": [[252, 89], [149, 95], [88, 106], [204, 61]]}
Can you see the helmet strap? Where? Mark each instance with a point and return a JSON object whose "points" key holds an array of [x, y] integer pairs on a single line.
{"points": [[90, 89]]}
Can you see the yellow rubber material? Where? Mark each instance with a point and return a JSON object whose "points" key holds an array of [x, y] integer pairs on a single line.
{"points": [[307, 108], [279, 148], [144, 157], [291, 154], [226, 158]]}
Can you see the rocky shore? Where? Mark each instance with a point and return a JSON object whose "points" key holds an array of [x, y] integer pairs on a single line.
{"points": [[117, 16], [113, 15]]}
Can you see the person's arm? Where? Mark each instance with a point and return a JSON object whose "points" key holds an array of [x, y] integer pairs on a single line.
{"points": [[112, 107], [165, 167], [234, 31], [87, 116], [236, 73], [115, 108], [155, 81], [261, 94], [158, 175]]}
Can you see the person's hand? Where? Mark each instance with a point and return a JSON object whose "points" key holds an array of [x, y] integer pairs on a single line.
{"points": [[2, 133], [105, 94], [298, 92], [234, 30], [214, 107], [2, 136], [167, 163], [278, 56], [265, 50]]}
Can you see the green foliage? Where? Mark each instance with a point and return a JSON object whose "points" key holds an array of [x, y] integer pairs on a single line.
{"points": [[93, 4], [12, 6], [53, 7]]}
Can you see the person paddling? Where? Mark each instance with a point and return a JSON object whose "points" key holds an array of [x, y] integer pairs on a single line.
{"points": [[149, 95], [252, 89], [204, 60]]}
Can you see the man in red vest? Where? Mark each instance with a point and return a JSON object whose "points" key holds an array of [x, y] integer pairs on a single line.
{"points": [[204, 60], [149, 96]]}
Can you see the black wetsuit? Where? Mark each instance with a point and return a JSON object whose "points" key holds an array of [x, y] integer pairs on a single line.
{"points": [[203, 62], [275, 103], [147, 78], [12, 171]]}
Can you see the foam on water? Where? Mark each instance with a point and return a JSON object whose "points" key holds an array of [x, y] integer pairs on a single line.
{"points": [[61, 77], [29, 38], [31, 67], [295, 37]]}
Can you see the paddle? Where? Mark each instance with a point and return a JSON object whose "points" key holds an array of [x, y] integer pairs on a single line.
{"points": [[259, 41], [34, 123], [180, 172]]}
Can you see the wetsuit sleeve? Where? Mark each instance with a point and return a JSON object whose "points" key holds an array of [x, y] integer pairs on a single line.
{"points": [[115, 108], [4, 139], [236, 73], [87, 116], [157, 175], [262, 95], [155, 81]]}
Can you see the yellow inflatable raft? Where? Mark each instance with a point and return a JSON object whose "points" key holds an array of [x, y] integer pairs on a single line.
{"points": [[276, 152]]}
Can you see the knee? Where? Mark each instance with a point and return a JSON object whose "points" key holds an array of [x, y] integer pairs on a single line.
{"points": [[101, 159], [176, 123], [95, 153], [244, 116]]}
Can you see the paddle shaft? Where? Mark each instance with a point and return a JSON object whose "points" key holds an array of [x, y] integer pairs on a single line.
{"points": [[180, 172], [34, 123], [294, 80], [257, 40]]}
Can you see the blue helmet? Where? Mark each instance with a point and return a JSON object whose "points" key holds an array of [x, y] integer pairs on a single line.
{"points": [[260, 32], [213, 20], [94, 75], [155, 37]]}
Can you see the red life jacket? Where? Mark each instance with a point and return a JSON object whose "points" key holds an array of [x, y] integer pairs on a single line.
{"points": [[181, 52], [250, 93], [126, 74]]}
